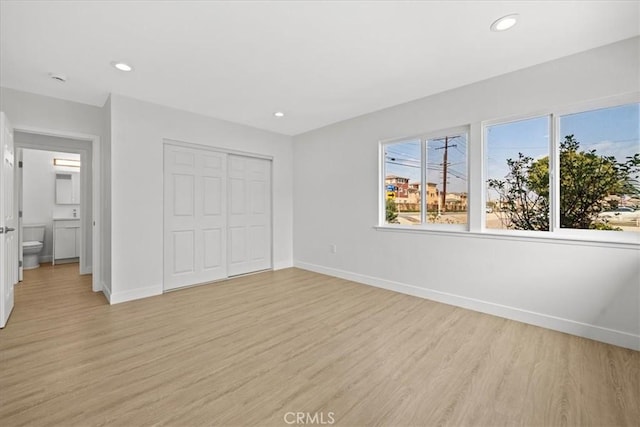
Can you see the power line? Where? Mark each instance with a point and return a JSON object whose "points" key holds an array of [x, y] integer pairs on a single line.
{"points": [[445, 164]]}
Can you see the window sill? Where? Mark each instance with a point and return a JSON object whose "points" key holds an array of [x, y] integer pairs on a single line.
{"points": [[629, 242]]}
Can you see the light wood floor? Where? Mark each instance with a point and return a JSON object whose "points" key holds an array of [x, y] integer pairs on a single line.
{"points": [[249, 350]]}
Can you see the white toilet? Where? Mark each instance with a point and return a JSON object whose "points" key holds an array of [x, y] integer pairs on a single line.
{"points": [[32, 244]]}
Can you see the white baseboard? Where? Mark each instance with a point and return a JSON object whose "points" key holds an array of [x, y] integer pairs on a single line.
{"points": [[282, 265], [598, 333], [150, 291], [106, 291]]}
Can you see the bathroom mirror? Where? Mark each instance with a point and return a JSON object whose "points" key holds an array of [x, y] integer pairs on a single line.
{"points": [[67, 188]]}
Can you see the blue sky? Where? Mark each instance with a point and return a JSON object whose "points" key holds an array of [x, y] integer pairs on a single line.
{"points": [[504, 141], [611, 132], [403, 159]]}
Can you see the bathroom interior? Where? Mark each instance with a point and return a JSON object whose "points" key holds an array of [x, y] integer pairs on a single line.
{"points": [[50, 208]]}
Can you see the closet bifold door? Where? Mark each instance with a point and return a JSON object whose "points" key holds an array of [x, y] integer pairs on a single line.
{"points": [[195, 216], [249, 214]]}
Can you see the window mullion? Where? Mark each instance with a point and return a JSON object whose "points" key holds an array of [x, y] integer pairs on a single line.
{"points": [[554, 174], [382, 198], [423, 181]]}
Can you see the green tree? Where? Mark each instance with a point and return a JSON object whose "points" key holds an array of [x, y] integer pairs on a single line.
{"points": [[523, 197], [392, 212], [586, 179]]}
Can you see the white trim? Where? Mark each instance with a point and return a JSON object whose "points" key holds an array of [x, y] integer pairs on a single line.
{"points": [[424, 179], [476, 199], [575, 107], [169, 141], [523, 236], [228, 152], [426, 135], [598, 333], [423, 139], [107, 292], [93, 223], [554, 115], [18, 196], [134, 294], [554, 174], [598, 104], [282, 265]]}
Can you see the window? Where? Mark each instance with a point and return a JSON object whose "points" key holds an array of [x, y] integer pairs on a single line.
{"points": [[566, 174], [517, 170], [599, 160], [447, 179], [403, 171], [425, 180]]}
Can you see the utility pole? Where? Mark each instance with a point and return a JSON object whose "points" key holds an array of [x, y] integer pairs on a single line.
{"points": [[445, 163]]}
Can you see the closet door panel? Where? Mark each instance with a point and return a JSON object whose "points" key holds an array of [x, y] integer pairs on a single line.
{"points": [[249, 214], [194, 216]]}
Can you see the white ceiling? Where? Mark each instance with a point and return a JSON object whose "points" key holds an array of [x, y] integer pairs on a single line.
{"points": [[318, 61]]}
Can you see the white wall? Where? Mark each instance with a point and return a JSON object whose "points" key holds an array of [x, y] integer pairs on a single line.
{"points": [[42, 113], [38, 192], [588, 290], [27, 109], [137, 132]]}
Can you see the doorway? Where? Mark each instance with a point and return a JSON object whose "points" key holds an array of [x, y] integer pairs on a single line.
{"points": [[86, 236], [49, 199]]}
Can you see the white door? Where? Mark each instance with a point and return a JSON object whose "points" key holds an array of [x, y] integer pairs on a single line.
{"points": [[194, 216], [249, 214], [8, 222]]}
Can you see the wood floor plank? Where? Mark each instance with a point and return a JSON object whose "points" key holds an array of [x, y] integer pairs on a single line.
{"points": [[248, 350]]}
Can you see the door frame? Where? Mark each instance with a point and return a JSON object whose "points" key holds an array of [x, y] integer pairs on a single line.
{"points": [[178, 143], [92, 148], [17, 197]]}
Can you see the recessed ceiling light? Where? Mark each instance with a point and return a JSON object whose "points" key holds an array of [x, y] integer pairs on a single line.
{"points": [[278, 114], [505, 22], [122, 66]]}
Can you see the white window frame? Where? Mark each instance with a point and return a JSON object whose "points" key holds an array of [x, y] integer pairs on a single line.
{"points": [[423, 138], [512, 119], [613, 102], [476, 183], [555, 231]]}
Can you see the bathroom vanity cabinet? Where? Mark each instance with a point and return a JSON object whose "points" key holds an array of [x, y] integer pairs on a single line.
{"points": [[66, 240]]}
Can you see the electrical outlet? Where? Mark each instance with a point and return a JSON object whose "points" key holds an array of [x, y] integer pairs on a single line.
{"points": [[333, 249]]}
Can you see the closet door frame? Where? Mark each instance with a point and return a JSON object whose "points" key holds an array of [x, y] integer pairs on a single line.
{"points": [[226, 151]]}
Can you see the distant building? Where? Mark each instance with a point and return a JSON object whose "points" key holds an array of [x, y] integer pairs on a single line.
{"points": [[432, 197], [407, 195], [456, 202], [414, 193], [398, 187]]}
